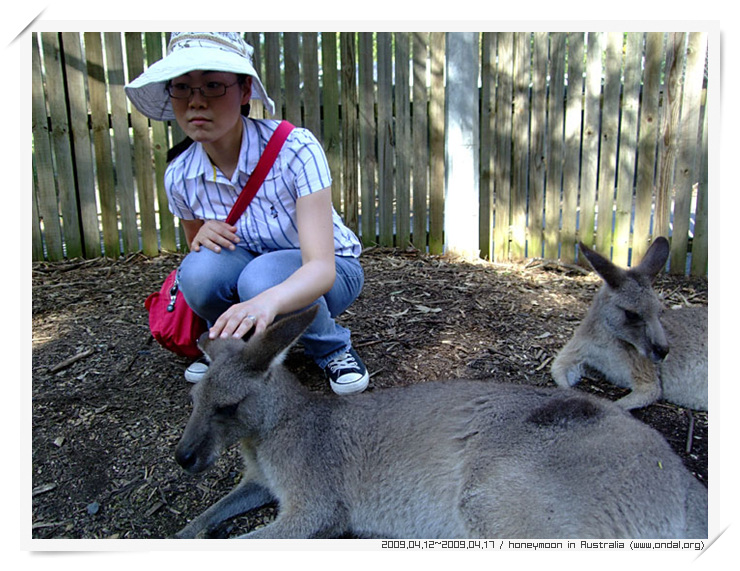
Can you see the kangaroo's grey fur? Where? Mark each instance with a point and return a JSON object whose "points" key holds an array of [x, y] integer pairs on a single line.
{"points": [[456, 459], [627, 335]]}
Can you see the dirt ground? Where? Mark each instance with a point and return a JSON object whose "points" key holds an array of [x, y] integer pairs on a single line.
{"points": [[109, 404]]}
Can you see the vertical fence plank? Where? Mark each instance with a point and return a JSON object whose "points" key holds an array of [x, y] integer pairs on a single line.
{"points": [[675, 56], [368, 157], [83, 159], [555, 113], [142, 153], [436, 144], [311, 91], [520, 144], [699, 257], [330, 93], [487, 130], [590, 153], [462, 144], [647, 145], [502, 147], [627, 147], [292, 77], [167, 232], [121, 142], [420, 141], [537, 144], [102, 142], [61, 144], [402, 140], [350, 132], [572, 147], [46, 199], [272, 81], [686, 168], [609, 137], [385, 139]]}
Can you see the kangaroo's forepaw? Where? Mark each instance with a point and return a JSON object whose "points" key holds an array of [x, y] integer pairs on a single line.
{"points": [[566, 377]]}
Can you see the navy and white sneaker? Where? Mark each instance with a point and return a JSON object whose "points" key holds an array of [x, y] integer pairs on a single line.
{"points": [[347, 373], [197, 370]]}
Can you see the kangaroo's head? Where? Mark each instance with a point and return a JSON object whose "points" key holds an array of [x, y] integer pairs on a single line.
{"points": [[627, 306], [236, 397]]}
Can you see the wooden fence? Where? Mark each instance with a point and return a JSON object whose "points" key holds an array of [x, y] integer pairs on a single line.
{"points": [[598, 137]]}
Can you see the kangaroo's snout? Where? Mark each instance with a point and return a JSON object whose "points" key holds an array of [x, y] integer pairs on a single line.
{"points": [[195, 457], [659, 353], [655, 344], [185, 458]]}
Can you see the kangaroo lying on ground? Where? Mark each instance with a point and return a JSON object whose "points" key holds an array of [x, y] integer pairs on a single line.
{"points": [[457, 459], [627, 334]]}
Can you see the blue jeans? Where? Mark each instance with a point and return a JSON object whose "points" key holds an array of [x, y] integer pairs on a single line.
{"points": [[211, 283]]}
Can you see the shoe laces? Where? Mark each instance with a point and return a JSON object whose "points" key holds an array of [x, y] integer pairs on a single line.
{"points": [[346, 361]]}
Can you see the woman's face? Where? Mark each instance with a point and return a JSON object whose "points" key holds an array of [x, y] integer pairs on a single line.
{"points": [[209, 119]]}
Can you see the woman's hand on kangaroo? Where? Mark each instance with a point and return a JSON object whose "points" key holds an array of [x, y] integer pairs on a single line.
{"points": [[241, 317], [215, 235]]}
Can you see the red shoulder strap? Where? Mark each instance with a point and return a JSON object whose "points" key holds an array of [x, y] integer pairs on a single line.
{"points": [[260, 171]]}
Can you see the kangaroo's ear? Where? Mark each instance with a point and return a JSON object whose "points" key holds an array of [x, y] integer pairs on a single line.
{"points": [[655, 258], [212, 348], [270, 347], [205, 344], [613, 275]]}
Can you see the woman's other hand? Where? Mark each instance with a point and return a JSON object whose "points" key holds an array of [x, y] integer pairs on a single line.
{"points": [[214, 235]]}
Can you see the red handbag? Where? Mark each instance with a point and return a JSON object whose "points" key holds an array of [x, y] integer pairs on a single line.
{"points": [[172, 322]]}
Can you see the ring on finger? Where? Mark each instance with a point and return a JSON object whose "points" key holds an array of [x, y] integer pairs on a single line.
{"points": [[251, 318]]}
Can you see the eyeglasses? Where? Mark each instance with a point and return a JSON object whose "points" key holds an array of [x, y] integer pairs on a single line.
{"points": [[210, 89]]}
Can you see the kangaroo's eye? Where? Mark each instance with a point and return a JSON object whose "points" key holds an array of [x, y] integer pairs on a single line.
{"points": [[631, 316], [227, 410]]}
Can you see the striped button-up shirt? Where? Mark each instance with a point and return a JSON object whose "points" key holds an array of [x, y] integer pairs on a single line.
{"points": [[197, 190]]}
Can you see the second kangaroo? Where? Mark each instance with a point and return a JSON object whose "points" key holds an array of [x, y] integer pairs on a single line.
{"points": [[635, 342], [456, 459]]}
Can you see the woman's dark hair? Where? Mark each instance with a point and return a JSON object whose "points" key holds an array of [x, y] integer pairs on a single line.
{"points": [[179, 148]]}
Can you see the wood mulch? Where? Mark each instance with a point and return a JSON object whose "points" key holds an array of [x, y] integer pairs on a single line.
{"points": [[109, 404]]}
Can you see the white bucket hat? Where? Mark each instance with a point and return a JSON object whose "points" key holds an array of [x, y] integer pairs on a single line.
{"points": [[190, 51]]}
